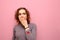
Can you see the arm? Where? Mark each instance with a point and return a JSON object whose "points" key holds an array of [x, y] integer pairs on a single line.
{"points": [[14, 37], [31, 35], [14, 34]]}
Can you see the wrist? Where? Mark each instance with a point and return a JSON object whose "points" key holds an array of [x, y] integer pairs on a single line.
{"points": [[27, 28]]}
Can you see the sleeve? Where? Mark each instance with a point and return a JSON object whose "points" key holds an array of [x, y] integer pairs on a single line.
{"points": [[31, 35], [14, 37]]}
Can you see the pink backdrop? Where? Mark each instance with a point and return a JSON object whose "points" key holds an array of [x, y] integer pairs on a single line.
{"points": [[45, 13]]}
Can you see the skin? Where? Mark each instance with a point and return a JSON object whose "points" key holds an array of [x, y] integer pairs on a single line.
{"points": [[23, 17]]}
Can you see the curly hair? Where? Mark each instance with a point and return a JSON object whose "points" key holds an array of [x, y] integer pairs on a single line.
{"points": [[17, 13]]}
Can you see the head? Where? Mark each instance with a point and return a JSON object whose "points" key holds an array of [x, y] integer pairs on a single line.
{"points": [[22, 14]]}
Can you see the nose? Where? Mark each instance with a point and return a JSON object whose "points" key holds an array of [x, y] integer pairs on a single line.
{"points": [[22, 16]]}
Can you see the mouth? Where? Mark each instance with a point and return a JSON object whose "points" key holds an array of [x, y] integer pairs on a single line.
{"points": [[22, 17]]}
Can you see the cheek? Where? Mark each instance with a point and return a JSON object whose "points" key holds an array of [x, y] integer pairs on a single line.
{"points": [[25, 17], [19, 16]]}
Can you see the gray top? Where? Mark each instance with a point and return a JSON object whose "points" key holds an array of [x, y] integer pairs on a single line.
{"points": [[19, 33]]}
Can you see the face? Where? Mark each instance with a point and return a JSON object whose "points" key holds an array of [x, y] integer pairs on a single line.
{"points": [[22, 15]]}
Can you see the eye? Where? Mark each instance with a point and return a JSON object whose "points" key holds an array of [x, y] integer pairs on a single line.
{"points": [[24, 13], [19, 14]]}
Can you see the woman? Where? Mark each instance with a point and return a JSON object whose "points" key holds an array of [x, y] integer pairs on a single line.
{"points": [[24, 30]]}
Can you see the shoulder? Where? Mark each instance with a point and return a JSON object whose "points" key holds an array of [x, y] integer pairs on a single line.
{"points": [[33, 25], [16, 27]]}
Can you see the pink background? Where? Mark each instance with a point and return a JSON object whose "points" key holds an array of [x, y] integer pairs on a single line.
{"points": [[44, 13]]}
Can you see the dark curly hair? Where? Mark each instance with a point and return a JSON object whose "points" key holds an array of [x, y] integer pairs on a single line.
{"points": [[17, 13]]}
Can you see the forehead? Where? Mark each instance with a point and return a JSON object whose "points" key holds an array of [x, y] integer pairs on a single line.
{"points": [[22, 11]]}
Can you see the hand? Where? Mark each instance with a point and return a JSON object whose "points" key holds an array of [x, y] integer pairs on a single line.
{"points": [[24, 22]]}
